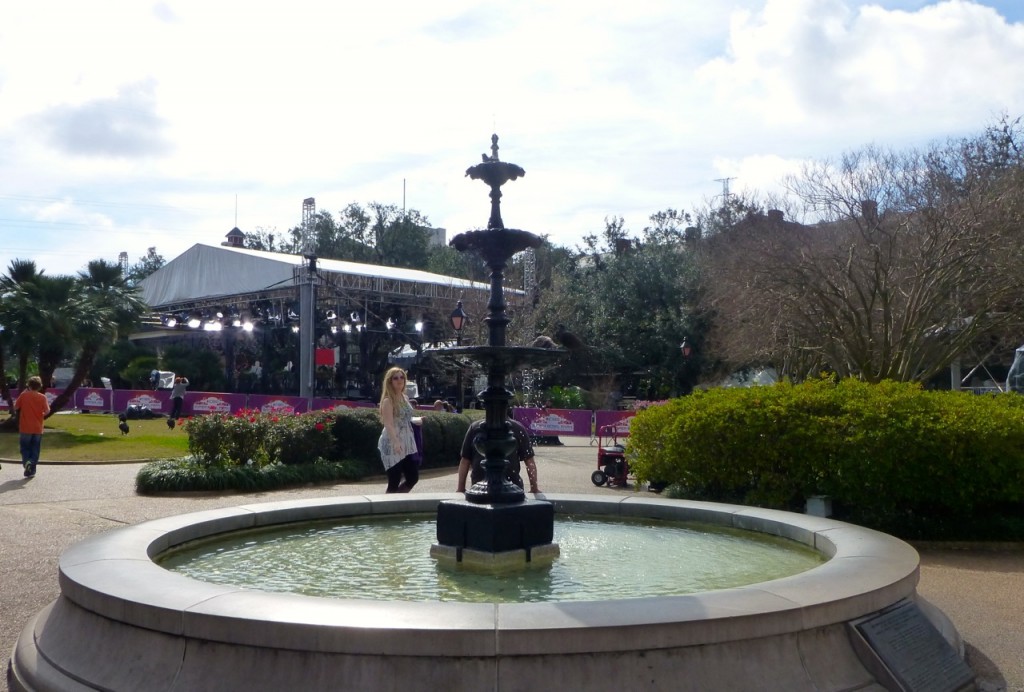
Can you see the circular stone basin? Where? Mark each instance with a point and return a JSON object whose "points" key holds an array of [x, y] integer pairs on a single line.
{"points": [[388, 558], [122, 622]]}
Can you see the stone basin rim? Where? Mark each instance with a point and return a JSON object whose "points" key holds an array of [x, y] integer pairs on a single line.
{"points": [[113, 575]]}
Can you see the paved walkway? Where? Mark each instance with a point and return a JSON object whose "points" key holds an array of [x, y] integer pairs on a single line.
{"points": [[981, 591]]}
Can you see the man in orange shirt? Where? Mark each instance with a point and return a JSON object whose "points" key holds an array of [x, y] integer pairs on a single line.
{"points": [[32, 408]]}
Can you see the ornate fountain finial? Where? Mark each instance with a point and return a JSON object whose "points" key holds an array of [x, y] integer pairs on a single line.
{"points": [[495, 173]]}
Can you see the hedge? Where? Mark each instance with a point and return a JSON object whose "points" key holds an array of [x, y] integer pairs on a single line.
{"points": [[250, 450], [891, 455]]}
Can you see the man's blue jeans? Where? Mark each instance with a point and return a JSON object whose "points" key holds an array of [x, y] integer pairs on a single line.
{"points": [[30, 446]]}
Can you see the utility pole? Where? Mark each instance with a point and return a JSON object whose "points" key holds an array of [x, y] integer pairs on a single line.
{"points": [[306, 278]]}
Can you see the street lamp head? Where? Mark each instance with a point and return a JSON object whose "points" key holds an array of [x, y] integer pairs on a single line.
{"points": [[458, 317]]}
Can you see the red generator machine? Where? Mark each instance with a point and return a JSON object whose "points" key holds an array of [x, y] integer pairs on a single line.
{"points": [[612, 467]]}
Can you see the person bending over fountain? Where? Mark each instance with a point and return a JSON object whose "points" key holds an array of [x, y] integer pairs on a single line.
{"points": [[397, 444], [472, 458]]}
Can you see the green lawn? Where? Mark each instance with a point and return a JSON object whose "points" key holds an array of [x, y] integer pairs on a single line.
{"points": [[95, 437]]}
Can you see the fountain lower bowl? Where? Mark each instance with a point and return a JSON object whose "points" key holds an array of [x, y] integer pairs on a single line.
{"points": [[122, 622]]}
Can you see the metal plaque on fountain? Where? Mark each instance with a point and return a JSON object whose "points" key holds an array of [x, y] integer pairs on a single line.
{"points": [[902, 648]]}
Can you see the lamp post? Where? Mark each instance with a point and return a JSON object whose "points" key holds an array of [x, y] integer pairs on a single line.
{"points": [[687, 351], [458, 319]]}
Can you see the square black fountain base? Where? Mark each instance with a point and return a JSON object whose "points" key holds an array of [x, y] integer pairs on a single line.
{"points": [[495, 528]]}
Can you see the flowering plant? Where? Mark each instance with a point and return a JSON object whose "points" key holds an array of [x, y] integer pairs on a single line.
{"points": [[254, 438]]}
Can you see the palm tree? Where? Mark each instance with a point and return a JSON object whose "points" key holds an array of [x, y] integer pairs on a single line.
{"points": [[103, 305], [52, 318], [15, 312]]}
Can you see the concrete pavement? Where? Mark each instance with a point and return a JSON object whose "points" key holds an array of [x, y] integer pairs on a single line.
{"points": [[982, 591]]}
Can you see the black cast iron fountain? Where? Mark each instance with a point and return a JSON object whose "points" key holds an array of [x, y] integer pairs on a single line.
{"points": [[496, 516]]}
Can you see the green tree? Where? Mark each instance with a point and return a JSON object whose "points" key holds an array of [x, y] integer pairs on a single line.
{"points": [[106, 306], [631, 301], [378, 234], [115, 358], [448, 261], [146, 265], [268, 240], [16, 314], [401, 236], [203, 368]]}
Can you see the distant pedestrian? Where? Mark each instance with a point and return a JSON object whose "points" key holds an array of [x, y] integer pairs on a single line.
{"points": [[32, 408], [178, 395]]}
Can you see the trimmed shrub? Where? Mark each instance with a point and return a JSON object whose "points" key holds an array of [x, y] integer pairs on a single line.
{"points": [[356, 433], [178, 475], [251, 450], [891, 455]]}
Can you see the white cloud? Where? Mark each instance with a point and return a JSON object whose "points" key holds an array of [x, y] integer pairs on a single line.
{"points": [[156, 115], [812, 66]]}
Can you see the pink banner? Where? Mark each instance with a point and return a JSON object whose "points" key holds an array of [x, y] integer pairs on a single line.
{"points": [[320, 404], [553, 421], [280, 405], [197, 403], [94, 399], [619, 420], [157, 402]]}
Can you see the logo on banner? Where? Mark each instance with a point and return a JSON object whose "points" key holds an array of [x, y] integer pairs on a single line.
{"points": [[212, 404], [622, 425], [150, 402], [277, 406], [94, 399], [552, 422]]}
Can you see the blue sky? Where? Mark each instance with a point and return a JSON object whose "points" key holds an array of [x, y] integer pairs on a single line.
{"points": [[127, 124]]}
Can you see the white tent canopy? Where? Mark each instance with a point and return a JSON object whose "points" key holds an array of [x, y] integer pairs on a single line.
{"points": [[204, 273]]}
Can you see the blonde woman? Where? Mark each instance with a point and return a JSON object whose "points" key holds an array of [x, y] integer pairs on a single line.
{"points": [[396, 443]]}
